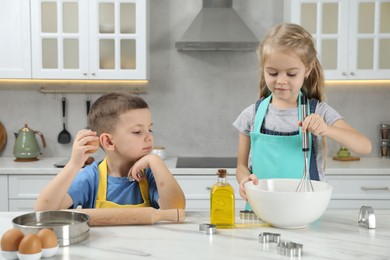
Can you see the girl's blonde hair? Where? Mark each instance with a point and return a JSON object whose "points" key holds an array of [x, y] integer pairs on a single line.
{"points": [[288, 37]]}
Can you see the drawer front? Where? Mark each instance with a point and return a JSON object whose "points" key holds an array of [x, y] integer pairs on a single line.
{"points": [[360, 187], [204, 205], [357, 204], [197, 191], [27, 186], [22, 205], [199, 187], [3, 193]]}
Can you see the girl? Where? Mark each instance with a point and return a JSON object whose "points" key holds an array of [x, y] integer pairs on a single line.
{"points": [[270, 144]]}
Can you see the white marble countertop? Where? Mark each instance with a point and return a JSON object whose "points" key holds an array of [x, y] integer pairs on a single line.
{"points": [[374, 166], [336, 235]]}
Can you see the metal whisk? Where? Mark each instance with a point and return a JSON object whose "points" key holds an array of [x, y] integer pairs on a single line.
{"points": [[305, 184]]}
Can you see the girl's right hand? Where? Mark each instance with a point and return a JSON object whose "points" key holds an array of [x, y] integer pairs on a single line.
{"points": [[85, 141], [251, 177]]}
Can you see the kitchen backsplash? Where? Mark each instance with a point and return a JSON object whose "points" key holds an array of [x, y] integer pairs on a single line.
{"points": [[194, 96]]}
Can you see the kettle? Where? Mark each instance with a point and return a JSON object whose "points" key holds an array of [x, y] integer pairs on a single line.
{"points": [[26, 146]]}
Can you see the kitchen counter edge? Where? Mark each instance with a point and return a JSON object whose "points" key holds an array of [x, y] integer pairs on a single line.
{"points": [[45, 165]]}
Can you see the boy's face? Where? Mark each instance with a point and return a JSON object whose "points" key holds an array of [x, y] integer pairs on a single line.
{"points": [[284, 74], [133, 134]]}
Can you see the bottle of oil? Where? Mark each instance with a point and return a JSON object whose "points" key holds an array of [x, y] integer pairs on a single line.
{"points": [[222, 202]]}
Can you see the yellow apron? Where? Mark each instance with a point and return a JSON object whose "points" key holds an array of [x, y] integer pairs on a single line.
{"points": [[101, 200]]}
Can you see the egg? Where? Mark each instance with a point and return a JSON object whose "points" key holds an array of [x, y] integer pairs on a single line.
{"points": [[94, 143], [30, 244], [48, 238], [11, 239], [49, 242]]}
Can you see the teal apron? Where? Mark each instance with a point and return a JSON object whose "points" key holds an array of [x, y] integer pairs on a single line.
{"points": [[276, 156]]}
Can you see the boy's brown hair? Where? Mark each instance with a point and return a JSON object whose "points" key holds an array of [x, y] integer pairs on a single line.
{"points": [[105, 111]]}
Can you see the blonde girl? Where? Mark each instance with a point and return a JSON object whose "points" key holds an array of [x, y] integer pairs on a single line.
{"points": [[270, 143]]}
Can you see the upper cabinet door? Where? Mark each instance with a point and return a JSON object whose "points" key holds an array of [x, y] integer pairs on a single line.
{"points": [[15, 48], [81, 39], [60, 39], [118, 39], [352, 37], [369, 34]]}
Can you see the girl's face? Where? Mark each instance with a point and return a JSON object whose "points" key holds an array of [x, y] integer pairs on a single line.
{"points": [[133, 134], [284, 73]]}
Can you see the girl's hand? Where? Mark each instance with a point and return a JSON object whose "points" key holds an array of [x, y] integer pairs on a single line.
{"points": [[137, 171], [251, 177], [315, 124], [85, 141]]}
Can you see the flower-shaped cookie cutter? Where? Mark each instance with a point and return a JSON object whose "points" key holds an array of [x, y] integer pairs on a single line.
{"points": [[285, 248], [290, 249], [267, 237], [210, 229]]}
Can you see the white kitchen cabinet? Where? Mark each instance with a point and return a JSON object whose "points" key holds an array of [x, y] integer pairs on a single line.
{"points": [[80, 39], [352, 37], [22, 205], [15, 48], [24, 190], [197, 191], [3, 193], [354, 191]]}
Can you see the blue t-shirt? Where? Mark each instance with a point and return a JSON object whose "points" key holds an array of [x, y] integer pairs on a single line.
{"points": [[120, 190]]}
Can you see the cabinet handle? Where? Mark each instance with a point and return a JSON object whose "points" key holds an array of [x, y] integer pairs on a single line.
{"points": [[208, 188], [352, 73], [374, 188], [85, 74], [344, 73], [93, 74]]}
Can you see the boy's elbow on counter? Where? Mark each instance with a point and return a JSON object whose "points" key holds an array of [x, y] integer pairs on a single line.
{"points": [[180, 203]]}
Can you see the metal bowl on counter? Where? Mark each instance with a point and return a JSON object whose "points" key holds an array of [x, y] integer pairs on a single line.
{"points": [[69, 227]]}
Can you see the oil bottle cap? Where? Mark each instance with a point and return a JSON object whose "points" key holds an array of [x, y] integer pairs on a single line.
{"points": [[222, 173]]}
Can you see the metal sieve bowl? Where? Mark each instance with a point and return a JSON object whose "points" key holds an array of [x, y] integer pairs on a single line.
{"points": [[70, 227]]}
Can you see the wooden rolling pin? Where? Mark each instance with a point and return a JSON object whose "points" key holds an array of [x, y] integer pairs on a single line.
{"points": [[131, 216]]}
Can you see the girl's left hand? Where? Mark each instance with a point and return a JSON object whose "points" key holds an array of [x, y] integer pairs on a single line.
{"points": [[315, 124]]}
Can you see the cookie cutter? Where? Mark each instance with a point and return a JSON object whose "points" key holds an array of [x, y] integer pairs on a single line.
{"points": [[290, 249], [267, 237], [210, 229], [248, 215], [285, 248], [367, 217]]}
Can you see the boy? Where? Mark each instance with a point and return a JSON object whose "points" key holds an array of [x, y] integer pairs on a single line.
{"points": [[129, 176]]}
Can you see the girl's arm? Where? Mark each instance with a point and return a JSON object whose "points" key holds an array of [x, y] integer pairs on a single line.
{"points": [[340, 131], [55, 195], [171, 196], [243, 173]]}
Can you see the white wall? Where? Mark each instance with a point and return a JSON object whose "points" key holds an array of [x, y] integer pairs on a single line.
{"points": [[194, 96]]}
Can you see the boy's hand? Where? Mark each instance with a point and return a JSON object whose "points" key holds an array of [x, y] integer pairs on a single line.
{"points": [[137, 171], [85, 142]]}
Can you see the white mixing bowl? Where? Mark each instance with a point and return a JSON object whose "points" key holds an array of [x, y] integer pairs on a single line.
{"points": [[276, 202]]}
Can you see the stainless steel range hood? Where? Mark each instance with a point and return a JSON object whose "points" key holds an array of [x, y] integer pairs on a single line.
{"points": [[217, 27]]}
